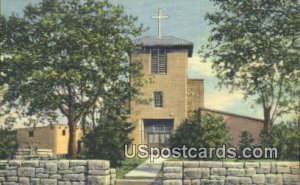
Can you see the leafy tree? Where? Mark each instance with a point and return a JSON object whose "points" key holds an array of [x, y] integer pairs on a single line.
{"points": [[8, 139], [246, 140], [205, 132], [66, 57], [285, 137], [107, 139], [254, 47]]}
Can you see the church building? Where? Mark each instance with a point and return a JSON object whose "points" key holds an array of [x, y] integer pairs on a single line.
{"points": [[174, 97]]}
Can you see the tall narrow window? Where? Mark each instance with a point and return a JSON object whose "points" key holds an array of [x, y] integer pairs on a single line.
{"points": [[31, 134], [158, 61], [158, 99]]}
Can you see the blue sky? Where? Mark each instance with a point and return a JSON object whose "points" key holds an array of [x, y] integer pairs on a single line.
{"points": [[186, 21]]}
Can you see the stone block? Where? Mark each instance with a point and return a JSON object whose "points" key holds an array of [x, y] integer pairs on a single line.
{"points": [[78, 169], [210, 164], [192, 173], [40, 170], [10, 183], [48, 182], [34, 181], [233, 164], [78, 163], [14, 163], [24, 181], [283, 169], [99, 172], [172, 170], [7, 173], [2, 179], [235, 172], [290, 178], [258, 179], [51, 168], [12, 179], [245, 180], [30, 163], [251, 165], [273, 178], [196, 182], [42, 175], [98, 180], [64, 183], [173, 175], [218, 171], [187, 182], [232, 180], [78, 183], [249, 172], [191, 164], [172, 182], [217, 177], [264, 168], [98, 165], [63, 165], [173, 164], [211, 182], [26, 172], [295, 170], [205, 173], [55, 176], [74, 177]]}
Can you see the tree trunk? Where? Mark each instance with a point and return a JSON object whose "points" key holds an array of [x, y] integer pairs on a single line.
{"points": [[72, 145], [267, 117]]}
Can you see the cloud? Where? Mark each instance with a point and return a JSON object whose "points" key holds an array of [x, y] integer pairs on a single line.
{"points": [[198, 68], [223, 99]]}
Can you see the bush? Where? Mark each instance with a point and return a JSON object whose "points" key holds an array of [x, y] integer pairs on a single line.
{"points": [[246, 141], [205, 132], [8, 143], [285, 137], [107, 141]]}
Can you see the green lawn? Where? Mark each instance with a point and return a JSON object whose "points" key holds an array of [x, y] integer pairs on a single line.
{"points": [[128, 165]]}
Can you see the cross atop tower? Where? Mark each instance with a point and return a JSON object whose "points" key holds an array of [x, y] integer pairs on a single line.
{"points": [[159, 17]]}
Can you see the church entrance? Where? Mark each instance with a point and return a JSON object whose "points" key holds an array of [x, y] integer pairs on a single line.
{"points": [[157, 131]]}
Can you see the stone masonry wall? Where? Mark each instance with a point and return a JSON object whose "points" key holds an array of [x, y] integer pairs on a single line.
{"points": [[231, 173], [56, 172]]}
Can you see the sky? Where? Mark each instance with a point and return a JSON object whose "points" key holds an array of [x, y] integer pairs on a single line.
{"points": [[186, 21]]}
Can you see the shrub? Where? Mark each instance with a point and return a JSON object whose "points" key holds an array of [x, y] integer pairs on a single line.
{"points": [[285, 137], [205, 132], [107, 141], [8, 143], [246, 140]]}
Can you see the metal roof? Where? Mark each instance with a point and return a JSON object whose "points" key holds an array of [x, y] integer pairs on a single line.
{"points": [[165, 41]]}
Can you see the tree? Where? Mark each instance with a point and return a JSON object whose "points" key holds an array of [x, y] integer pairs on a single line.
{"points": [[205, 132], [285, 137], [254, 47], [8, 139], [66, 57], [108, 138], [246, 140]]}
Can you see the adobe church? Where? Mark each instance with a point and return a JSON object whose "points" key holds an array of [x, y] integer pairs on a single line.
{"points": [[174, 96]]}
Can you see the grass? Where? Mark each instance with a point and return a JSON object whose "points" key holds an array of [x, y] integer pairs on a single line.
{"points": [[128, 165]]}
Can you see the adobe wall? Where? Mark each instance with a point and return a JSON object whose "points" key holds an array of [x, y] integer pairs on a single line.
{"points": [[174, 88], [195, 95], [231, 173], [56, 172], [237, 124]]}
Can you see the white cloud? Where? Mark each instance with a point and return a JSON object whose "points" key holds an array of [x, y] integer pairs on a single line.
{"points": [[199, 68], [222, 99]]}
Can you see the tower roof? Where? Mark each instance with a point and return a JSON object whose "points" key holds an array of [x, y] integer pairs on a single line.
{"points": [[165, 42]]}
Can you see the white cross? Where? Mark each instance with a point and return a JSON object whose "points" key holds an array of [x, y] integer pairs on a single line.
{"points": [[159, 17]]}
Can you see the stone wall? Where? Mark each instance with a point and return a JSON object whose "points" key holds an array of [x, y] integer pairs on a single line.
{"points": [[231, 173], [56, 172]]}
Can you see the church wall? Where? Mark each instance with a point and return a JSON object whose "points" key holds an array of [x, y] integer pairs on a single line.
{"points": [[237, 124], [195, 95], [174, 88]]}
